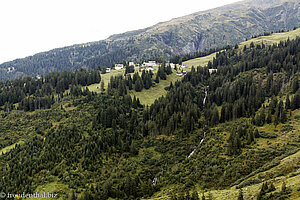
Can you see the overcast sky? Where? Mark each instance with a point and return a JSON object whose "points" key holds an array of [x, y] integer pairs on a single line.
{"points": [[32, 26]]}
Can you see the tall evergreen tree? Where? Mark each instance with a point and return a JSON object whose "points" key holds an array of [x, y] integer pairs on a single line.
{"points": [[295, 85], [240, 197], [295, 103], [138, 85], [287, 102]]}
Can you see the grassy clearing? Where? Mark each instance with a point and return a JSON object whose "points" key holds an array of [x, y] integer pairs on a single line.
{"points": [[8, 148], [147, 97], [52, 188], [202, 61], [105, 78]]}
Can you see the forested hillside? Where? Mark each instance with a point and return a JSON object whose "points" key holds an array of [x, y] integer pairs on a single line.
{"points": [[227, 130], [200, 31]]}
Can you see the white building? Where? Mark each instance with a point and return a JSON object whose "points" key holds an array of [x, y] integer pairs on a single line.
{"points": [[131, 64], [108, 70], [119, 66], [179, 73], [149, 68], [150, 64], [212, 70], [172, 65]]}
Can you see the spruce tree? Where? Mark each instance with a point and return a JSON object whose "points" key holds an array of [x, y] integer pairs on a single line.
{"points": [[269, 117], [138, 85], [295, 85], [102, 86], [287, 102], [272, 187], [283, 187], [72, 195], [240, 197], [295, 103], [195, 195], [156, 78], [256, 133]]}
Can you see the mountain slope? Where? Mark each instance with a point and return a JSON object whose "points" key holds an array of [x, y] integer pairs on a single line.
{"points": [[274, 38], [237, 128], [199, 31]]}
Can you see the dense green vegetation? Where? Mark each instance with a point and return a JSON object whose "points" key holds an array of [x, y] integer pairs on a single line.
{"points": [[108, 145], [42, 92]]}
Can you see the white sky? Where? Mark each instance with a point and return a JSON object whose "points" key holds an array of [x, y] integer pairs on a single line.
{"points": [[33, 26]]}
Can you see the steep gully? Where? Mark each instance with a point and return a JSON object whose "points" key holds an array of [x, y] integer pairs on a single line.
{"points": [[155, 179]]}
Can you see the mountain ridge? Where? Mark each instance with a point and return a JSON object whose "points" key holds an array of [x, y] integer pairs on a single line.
{"points": [[200, 31]]}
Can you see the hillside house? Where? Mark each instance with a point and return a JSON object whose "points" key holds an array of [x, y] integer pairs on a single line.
{"points": [[172, 65], [147, 68], [119, 66], [131, 64], [179, 73], [150, 64], [212, 70], [108, 70]]}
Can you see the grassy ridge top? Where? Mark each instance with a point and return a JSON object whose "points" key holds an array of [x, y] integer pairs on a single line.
{"points": [[274, 38]]}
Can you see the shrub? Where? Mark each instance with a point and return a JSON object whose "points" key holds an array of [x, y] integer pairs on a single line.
{"points": [[268, 135]]}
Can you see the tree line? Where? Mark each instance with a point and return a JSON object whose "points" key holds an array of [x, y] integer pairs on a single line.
{"points": [[41, 92]]}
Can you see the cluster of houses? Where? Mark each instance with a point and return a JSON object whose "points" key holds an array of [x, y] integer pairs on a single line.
{"points": [[149, 66], [119, 66], [181, 73]]}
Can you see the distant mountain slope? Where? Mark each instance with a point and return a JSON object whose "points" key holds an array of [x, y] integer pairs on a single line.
{"points": [[199, 31]]}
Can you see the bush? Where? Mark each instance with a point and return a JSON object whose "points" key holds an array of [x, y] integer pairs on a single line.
{"points": [[287, 128], [248, 182], [268, 135], [297, 117]]}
